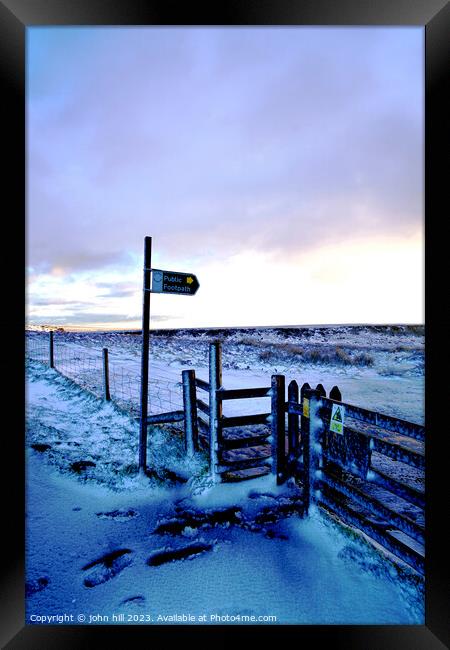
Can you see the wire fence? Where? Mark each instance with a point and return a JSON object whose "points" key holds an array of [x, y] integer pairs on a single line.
{"points": [[83, 364]]}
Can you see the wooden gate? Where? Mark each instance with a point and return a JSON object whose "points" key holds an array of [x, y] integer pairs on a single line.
{"points": [[243, 446], [349, 470]]}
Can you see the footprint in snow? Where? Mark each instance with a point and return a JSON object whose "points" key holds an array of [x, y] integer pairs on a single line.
{"points": [[81, 465], [41, 447], [134, 600], [275, 534], [118, 515], [33, 586], [106, 567], [169, 555]]}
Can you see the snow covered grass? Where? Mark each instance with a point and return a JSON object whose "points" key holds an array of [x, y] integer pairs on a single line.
{"points": [[377, 367], [325, 355], [78, 428], [90, 550], [364, 346], [91, 539]]}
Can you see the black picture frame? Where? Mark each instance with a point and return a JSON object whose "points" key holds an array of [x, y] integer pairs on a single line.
{"points": [[15, 17]]}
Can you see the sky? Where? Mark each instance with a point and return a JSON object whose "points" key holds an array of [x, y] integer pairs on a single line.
{"points": [[283, 166]]}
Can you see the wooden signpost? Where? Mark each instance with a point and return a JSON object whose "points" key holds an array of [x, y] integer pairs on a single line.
{"points": [[156, 281]]}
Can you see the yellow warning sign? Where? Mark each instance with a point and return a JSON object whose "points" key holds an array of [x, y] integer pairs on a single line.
{"points": [[337, 419], [306, 407]]}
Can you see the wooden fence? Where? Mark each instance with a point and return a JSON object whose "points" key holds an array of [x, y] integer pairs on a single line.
{"points": [[335, 470]]}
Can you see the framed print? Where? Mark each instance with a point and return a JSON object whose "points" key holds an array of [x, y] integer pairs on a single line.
{"points": [[232, 422]]}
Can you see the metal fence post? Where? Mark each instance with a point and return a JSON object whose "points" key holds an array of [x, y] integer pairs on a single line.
{"points": [[190, 412], [278, 428], [51, 351], [215, 407], [106, 392]]}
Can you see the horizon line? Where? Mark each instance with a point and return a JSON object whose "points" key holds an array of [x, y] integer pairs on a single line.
{"points": [[70, 328]]}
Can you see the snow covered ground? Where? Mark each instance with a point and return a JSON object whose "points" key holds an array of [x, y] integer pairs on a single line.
{"points": [[308, 573], [377, 367], [103, 541]]}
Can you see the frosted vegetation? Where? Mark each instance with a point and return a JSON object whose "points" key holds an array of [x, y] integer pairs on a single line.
{"points": [[102, 539], [378, 367]]}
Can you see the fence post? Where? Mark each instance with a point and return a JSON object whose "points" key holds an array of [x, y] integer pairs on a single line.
{"points": [[190, 412], [304, 433], [293, 426], [335, 394], [106, 375], [278, 428], [315, 445], [320, 390], [215, 407], [51, 351]]}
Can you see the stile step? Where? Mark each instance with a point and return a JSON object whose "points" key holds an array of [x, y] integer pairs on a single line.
{"points": [[244, 474]]}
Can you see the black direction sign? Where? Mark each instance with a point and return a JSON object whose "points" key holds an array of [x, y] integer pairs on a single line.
{"points": [[183, 284]]}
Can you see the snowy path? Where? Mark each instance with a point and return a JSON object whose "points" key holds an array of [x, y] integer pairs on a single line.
{"points": [[88, 546], [315, 576]]}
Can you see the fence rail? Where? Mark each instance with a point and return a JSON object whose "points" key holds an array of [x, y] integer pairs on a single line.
{"points": [[202, 384], [242, 393], [387, 422], [245, 420]]}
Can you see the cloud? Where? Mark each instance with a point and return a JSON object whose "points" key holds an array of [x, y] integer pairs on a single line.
{"points": [[217, 141], [83, 318], [88, 318], [52, 301], [162, 318], [116, 289], [124, 293]]}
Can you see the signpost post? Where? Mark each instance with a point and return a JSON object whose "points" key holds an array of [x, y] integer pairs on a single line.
{"points": [[156, 281], [145, 351]]}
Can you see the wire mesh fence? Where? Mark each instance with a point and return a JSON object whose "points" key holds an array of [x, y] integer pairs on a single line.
{"points": [[37, 348], [82, 362]]}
